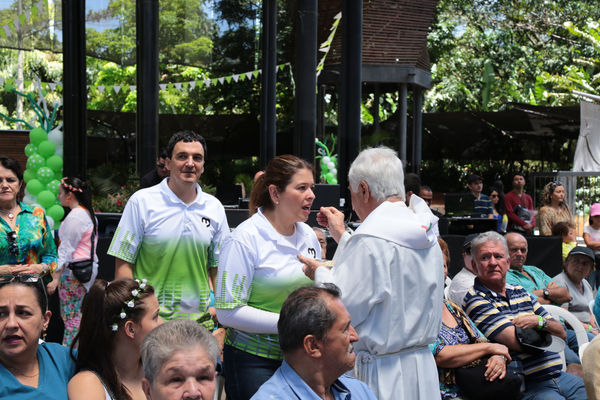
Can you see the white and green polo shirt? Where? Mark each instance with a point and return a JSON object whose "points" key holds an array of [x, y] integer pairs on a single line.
{"points": [[258, 267], [172, 244]]}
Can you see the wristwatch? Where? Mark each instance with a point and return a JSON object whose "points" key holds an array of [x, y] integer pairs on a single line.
{"points": [[546, 294]]}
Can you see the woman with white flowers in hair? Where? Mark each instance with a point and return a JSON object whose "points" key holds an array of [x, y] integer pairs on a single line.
{"points": [[116, 318]]}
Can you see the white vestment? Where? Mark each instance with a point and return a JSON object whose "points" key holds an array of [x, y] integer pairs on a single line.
{"points": [[391, 275]]}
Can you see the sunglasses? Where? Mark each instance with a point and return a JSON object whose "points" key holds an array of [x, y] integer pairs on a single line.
{"points": [[33, 280], [11, 237]]}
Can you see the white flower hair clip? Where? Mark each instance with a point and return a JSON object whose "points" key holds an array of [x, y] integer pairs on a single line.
{"points": [[130, 304], [142, 284]]}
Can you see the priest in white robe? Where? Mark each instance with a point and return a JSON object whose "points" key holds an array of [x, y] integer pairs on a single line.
{"points": [[390, 272]]}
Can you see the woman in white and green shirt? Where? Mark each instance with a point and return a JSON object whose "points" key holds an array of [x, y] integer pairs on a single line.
{"points": [[258, 269]]}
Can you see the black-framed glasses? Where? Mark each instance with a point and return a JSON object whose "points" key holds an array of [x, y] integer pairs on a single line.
{"points": [[13, 247], [33, 280]]}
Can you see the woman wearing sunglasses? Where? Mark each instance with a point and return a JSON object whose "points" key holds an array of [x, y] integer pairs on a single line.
{"points": [[29, 369], [555, 209], [26, 244]]}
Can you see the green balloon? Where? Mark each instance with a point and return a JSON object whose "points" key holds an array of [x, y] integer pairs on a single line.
{"points": [[56, 212], [46, 148], [334, 181], [30, 149], [29, 175], [55, 163], [37, 136], [46, 198], [34, 187], [35, 162], [53, 186], [45, 175]]}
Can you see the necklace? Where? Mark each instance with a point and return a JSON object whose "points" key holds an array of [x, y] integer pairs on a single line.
{"points": [[28, 376], [9, 214]]}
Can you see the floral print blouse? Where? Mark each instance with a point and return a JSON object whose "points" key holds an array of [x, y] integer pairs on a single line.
{"points": [[450, 336], [35, 244]]}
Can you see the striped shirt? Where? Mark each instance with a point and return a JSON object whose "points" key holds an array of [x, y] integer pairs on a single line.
{"points": [[492, 313], [483, 206]]}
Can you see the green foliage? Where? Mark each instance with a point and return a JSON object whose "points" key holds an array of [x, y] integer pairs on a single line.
{"points": [[582, 75], [102, 77], [184, 33], [586, 194], [488, 53], [46, 66], [35, 32]]}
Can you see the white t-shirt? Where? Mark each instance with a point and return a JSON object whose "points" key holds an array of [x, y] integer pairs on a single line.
{"points": [[579, 304], [460, 285], [594, 234], [172, 244]]}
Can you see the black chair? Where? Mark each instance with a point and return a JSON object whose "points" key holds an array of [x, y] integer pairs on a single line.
{"points": [[229, 194], [545, 252], [455, 243]]}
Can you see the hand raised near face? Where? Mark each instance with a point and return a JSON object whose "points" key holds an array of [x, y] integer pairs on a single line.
{"points": [[333, 219]]}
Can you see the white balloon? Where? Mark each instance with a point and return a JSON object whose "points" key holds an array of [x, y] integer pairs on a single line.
{"points": [[56, 136], [326, 160], [333, 171], [59, 151], [50, 222], [330, 165], [28, 199]]}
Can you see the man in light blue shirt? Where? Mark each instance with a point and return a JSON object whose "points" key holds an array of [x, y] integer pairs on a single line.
{"points": [[316, 338], [533, 279]]}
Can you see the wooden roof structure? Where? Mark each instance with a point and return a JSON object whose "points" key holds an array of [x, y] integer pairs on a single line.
{"points": [[394, 42]]}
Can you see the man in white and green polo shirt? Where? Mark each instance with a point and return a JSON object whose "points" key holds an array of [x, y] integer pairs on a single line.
{"points": [[171, 234]]}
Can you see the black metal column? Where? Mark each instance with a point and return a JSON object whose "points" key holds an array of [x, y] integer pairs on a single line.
{"points": [[147, 84], [321, 111], [306, 79], [350, 90], [268, 113], [417, 129], [402, 122], [74, 89]]}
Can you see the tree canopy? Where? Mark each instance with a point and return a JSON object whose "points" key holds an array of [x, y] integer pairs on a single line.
{"points": [[487, 53]]}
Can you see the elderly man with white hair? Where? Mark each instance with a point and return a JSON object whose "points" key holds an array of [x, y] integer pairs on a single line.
{"points": [[390, 272]]}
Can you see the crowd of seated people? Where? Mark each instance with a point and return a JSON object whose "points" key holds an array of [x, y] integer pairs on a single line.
{"points": [[289, 337]]}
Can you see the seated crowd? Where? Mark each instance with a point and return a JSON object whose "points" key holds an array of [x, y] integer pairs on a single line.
{"points": [[124, 350], [263, 314]]}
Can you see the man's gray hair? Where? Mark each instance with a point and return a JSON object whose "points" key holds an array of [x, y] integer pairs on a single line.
{"points": [[381, 169], [489, 236], [172, 336]]}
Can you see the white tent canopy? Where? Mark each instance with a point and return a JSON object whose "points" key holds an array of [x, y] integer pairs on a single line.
{"points": [[587, 152]]}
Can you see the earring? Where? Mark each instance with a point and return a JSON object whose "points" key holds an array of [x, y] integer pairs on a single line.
{"points": [[44, 334]]}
